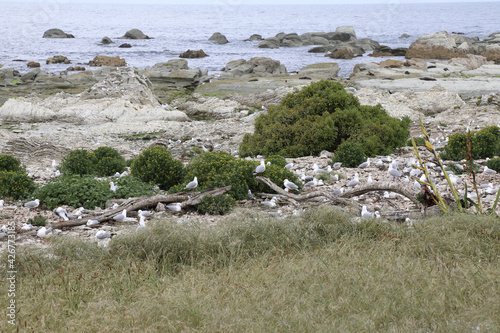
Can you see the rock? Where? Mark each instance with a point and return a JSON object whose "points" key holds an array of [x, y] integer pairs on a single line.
{"points": [[416, 63], [346, 30], [439, 45], [193, 54], [171, 65], [76, 68], [270, 43], [391, 63], [218, 38], [254, 37], [33, 64], [291, 40], [323, 70], [58, 59], [320, 49], [106, 40], [102, 60], [343, 53], [212, 107], [135, 34], [404, 36], [257, 66], [56, 33], [493, 38], [492, 53], [31, 75], [125, 46], [386, 51], [470, 61]]}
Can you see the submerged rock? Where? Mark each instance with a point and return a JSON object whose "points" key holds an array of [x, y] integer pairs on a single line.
{"points": [[193, 54], [218, 38], [135, 34], [102, 60]]}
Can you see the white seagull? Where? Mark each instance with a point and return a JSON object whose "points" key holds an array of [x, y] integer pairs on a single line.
{"points": [[145, 213], [489, 171], [317, 169], [364, 164], [142, 224], [176, 207], [121, 216], [271, 203], [260, 168], [192, 184], [353, 182], [61, 213], [32, 204], [43, 232], [394, 172], [113, 187], [101, 234], [290, 185], [289, 166], [92, 222]]}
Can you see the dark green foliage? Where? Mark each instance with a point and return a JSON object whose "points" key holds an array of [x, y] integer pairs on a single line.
{"points": [[458, 171], [216, 205], [350, 153], [320, 117], [494, 164], [10, 163], [38, 221], [75, 191], [130, 187], [108, 161], [484, 143], [78, 162], [276, 160], [418, 141], [156, 165], [16, 185]]}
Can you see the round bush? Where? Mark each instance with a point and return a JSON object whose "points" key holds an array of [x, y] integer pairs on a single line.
{"points": [[216, 205], [10, 163], [484, 143], [74, 191], [130, 187], [108, 161], [350, 153], [16, 185], [276, 160], [156, 165], [320, 117], [494, 164], [78, 162]]}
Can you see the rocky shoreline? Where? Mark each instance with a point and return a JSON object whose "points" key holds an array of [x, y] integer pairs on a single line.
{"points": [[45, 115]]}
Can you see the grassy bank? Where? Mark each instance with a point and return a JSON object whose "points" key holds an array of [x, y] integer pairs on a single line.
{"points": [[319, 272]]}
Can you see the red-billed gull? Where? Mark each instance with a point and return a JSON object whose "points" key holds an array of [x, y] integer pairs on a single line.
{"points": [[290, 185], [192, 184], [260, 168]]}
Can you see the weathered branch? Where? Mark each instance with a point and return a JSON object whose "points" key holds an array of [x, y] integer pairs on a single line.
{"points": [[385, 186], [132, 204]]}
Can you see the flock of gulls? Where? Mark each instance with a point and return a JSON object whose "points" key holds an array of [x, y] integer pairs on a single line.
{"points": [[403, 171]]}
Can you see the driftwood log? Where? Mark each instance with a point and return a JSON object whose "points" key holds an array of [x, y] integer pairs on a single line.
{"points": [[185, 198]]}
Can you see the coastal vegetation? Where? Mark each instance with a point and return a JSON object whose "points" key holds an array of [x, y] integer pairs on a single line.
{"points": [[251, 272], [320, 117]]}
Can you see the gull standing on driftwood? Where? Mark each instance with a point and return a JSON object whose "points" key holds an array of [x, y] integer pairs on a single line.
{"points": [[290, 185]]}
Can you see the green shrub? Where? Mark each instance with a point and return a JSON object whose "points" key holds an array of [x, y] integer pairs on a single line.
{"points": [[156, 165], [75, 191], [418, 141], [10, 163], [320, 117], [457, 171], [494, 164], [16, 185], [350, 153], [108, 161], [216, 205], [276, 160], [38, 221], [484, 143], [130, 187], [78, 162]]}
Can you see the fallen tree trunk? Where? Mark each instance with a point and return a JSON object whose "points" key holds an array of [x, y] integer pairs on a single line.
{"points": [[132, 204], [385, 186]]}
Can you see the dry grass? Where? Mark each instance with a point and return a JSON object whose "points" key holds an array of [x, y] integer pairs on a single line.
{"points": [[315, 273]]}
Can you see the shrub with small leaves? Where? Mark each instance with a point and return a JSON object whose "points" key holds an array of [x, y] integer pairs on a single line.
{"points": [[484, 143], [74, 191], [216, 205], [108, 161], [494, 164], [130, 187], [38, 221], [350, 153], [16, 185], [10, 163], [156, 165], [78, 162], [276, 160]]}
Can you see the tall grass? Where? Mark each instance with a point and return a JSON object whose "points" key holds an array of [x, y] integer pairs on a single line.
{"points": [[319, 272]]}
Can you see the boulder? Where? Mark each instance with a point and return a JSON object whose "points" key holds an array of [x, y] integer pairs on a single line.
{"points": [[258, 66], [193, 54], [135, 34], [391, 63], [106, 40], [470, 61], [33, 64], [493, 38], [346, 30], [213, 107], [291, 40], [75, 69], [58, 59], [342, 53], [340, 36], [439, 45], [102, 60], [386, 51], [171, 65], [321, 49], [125, 46], [218, 38], [404, 36], [31, 75], [321, 70], [492, 53], [254, 37], [270, 43], [56, 33]]}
